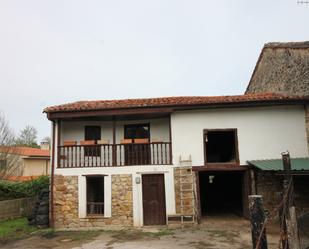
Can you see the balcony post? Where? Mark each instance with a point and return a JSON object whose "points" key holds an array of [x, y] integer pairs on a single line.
{"points": [[114, 156], [170, 137]]}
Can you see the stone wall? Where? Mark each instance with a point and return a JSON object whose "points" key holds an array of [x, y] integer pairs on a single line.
{"points": [[281, 69], [122, 200], [66, 203], [269, 185], [187, 180]]}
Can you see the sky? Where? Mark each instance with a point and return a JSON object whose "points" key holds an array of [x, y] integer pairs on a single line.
{"points": [[59, 51]]}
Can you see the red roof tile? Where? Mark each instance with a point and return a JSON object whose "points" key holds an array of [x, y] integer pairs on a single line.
{"points": [[169, 101], [26, 151], [21, 178]]}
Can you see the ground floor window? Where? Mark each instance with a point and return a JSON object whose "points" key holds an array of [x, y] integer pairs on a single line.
{"points": [[95, 195], [221, 146]]}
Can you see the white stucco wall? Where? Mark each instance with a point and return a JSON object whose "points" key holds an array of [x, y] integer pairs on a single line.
{"points": [[263, 132], [73, 130], [36, 167]]}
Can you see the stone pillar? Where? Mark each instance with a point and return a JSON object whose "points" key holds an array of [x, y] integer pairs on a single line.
{"points": [[66, 201], [122, 200], [186, 184]]}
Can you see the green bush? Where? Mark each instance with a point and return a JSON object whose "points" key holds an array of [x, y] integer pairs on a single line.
{"points": [[13, 190]]}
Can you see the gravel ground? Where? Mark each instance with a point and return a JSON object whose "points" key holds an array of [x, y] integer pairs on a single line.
{"points": [[227, 232]]}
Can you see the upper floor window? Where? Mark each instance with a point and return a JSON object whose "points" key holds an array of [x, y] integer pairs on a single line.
{"points": [[133, 131], [92, 132], [221, 146]]}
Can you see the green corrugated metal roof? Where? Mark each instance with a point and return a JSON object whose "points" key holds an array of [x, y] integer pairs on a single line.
{"points": [[276, 164]]}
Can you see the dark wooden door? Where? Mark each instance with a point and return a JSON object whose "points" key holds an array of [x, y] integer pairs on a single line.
{"points": [[154, 199]]}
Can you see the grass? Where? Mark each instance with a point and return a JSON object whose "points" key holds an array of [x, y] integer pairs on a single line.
{"points": [[70, 235], [15, 229], [11, 230]]}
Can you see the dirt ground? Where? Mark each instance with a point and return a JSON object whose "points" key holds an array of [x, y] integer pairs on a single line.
{"points": [[227, 232]]}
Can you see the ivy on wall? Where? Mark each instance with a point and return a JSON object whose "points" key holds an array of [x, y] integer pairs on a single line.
{"points": [[12, 190]]}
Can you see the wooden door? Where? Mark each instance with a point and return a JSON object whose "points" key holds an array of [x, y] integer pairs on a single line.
{"points": [[137, 153], [154, 199]]}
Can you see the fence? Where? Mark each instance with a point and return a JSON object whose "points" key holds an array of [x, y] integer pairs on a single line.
{"points": [[16, 207]]}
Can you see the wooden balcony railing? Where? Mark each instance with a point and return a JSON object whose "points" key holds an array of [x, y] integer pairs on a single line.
{"points": [[107, 155]]}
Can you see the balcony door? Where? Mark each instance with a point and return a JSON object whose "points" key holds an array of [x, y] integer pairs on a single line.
{"points": [[92, 133], [138, 152]]}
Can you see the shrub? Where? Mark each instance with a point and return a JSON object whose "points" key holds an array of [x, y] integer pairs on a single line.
{"points": [[13, 190]]}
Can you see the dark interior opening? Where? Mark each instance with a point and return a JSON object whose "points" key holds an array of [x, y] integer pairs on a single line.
{"points": [[221, 193], [95, 195], [220, 146], [92, 133]]}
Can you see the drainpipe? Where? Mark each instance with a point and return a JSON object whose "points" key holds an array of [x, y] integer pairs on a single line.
{"points": [[52, 221]]}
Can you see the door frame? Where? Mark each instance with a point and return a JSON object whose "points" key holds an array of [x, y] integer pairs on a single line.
{"points": [[164, 198]]}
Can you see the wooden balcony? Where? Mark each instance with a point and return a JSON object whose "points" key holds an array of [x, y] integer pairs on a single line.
{"points": [[109, 155]]}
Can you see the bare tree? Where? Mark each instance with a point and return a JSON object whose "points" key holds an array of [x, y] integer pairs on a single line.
{"points": [[8, 153], [28, 137]]}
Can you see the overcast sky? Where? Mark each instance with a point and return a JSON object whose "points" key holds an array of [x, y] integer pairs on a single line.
{"points": [[53, 52]]}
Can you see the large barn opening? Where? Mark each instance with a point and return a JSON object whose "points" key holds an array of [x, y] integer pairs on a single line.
{"points": [[221, 192]]}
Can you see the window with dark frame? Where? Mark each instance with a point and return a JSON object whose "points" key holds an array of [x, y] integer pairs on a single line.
{"points": [[92, 133], [133, 131], [95, 195], [221, 146]]}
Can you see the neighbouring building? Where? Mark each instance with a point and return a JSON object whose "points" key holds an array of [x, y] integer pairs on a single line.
{"points": [[156, 161], [283, 67], [26, 162]]}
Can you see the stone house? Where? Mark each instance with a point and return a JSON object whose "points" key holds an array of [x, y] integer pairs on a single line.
{"points": [[283, 67], [160, 161]]}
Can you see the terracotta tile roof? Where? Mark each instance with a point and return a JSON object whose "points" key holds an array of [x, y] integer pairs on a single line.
{"points": [[170, 102], [21, 178], [26, 151]]}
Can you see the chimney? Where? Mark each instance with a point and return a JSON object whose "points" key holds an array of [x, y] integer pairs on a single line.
{"points": [[44, 146]]}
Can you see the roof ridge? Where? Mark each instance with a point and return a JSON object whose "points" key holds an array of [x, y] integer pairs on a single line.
{"points": [[297, 45]]}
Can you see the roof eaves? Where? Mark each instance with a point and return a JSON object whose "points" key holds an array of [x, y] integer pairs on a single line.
{"points": [[188, 106]]}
